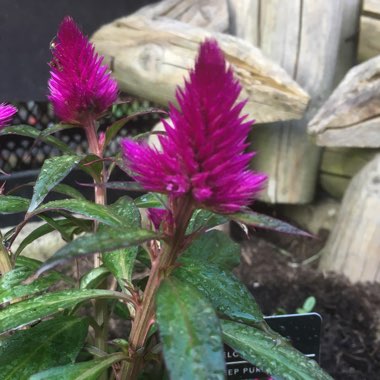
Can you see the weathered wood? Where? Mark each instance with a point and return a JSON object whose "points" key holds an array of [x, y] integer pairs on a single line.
{"points": [[314, 217], [351, 116], [369, 38], [339, 165], [150, 58], [304, 37], [354, 244], [208, 14]]}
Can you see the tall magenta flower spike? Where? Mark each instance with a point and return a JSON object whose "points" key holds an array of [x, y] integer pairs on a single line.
{"points": [[80, 85], [6, 113], [203, 152]]}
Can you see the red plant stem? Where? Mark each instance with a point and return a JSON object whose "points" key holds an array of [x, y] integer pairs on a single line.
{"points": [[101, 309], [161, 267]]}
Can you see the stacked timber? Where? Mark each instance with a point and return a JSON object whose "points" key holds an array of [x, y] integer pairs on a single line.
{"points": [[310, 40], [149, 58], [349, 124], [369, 38]]}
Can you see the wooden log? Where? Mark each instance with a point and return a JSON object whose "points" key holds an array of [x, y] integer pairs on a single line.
{"points": [[304, 37], [339, 165], [351, 116], [369, 37], [354, 244], [149, 58], [315, 217], [209, 14]]}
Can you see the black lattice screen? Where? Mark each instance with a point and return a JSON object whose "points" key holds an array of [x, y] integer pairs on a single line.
{"points": [[21, 153]]}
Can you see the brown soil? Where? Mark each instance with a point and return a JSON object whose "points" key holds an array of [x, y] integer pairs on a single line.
{"points": [[274, 268]]}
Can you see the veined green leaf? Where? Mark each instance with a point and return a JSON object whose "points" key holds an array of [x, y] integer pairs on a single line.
{"points": [[274, 356], [102, 241], [50, 343], [53, 171], [214, 247], [10, 204], [151, 200], [94, 278], [28, 131], [121, 261], [225, 292], [254, 219], [64, 189], [205, 219], [90, 370], [19, 290], [114, 129], [88, 209], [32, 309], [56, 128], [190, 333]]}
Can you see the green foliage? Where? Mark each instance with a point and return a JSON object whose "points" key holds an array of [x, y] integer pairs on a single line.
{"points": [[307, 306], [32, 309], [189, 329], [48, 344], [271, 353], [81, 371]]}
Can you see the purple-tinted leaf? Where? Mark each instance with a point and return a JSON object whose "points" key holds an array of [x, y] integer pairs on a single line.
{"points": [[254, 219]]}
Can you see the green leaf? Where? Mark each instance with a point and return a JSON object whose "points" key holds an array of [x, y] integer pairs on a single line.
{"points": [[274, 356], [254, 219], [18, 290], [28, 131], [205, 219], [114, 129], [190, 333], [92, 165], [56, 128], [151, 200], [102, 241], [226, 293], [64, 189], [88, 209], [10, 204], [94, 278], [214, 247], [121, 261], [64, 226], [32, 309], [23, 261], [90, 370], [50, 343]]}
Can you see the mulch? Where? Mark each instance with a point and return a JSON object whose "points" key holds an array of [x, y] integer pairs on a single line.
{"points": [[276, 269]]}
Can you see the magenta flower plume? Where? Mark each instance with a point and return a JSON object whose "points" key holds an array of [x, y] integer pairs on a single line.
{"points": [[80, 85], [203, 152], [6, 113]]}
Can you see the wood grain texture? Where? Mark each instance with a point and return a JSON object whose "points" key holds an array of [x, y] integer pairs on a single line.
{"points": [[208, 14], [369, 39], [339, 165], [149, 58], [351, 116], [354, 244], [304, 37]]}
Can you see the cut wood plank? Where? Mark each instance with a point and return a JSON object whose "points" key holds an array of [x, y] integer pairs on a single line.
{"points": [[351, 116], [372, 6], [369, 38], [354, 244], [304, 37], [339, 165], [208, 14], [149, 58]]}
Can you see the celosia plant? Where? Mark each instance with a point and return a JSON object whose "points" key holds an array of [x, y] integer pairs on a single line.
{"points": [[168, 276]]}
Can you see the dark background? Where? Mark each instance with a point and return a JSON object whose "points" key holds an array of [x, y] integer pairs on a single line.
{"points": [[28, 26]]}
